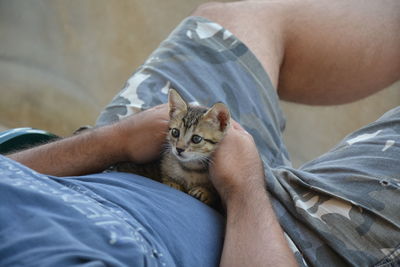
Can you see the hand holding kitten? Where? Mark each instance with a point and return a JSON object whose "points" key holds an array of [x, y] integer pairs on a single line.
{"points": [[237, 169], [143, 134]]}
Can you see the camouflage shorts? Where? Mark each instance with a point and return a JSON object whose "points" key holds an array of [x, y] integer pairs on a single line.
{"points": [[339, 209]]}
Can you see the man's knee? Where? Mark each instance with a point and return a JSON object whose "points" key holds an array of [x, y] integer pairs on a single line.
{"points": [[258, 24]]}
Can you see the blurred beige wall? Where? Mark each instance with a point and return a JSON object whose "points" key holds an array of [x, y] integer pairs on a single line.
{"points": [[62, 61], [314, 130]]}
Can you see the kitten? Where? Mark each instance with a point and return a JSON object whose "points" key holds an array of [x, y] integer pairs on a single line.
{"points": [[194, 133]]}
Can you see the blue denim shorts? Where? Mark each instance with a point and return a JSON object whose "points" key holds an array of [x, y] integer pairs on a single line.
{"points": [[339, 209]]}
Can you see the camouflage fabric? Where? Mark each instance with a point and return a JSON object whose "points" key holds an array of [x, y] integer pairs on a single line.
{"points": [[337, 210]]}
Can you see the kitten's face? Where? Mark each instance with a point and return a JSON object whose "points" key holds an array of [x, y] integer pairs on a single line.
{"points": [[194, 132]]}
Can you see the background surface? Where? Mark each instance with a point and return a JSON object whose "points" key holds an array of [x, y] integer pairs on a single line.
{"points": [[61, 62]]}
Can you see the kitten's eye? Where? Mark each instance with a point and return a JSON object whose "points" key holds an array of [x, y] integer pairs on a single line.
{"points": [[175, 132], [196, 139]]}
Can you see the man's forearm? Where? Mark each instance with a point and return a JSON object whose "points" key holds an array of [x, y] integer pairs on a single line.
{"points": [[138, 138], [253, 234], [87, 152]]}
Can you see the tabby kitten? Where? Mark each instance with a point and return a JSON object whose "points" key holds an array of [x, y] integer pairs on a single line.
{"points": [[194, 133]]}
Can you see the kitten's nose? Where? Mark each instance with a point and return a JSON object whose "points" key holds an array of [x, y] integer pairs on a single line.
{"points": [[179, 150]]}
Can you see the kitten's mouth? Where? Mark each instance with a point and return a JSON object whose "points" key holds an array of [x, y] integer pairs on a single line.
{"points": [[183, 158]]}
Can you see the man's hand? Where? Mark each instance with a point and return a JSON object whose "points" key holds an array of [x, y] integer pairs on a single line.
{"points": [[237, 167], [142, 136]]}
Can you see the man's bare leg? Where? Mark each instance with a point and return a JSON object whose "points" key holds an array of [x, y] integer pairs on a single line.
{"points": [[318, 52]]}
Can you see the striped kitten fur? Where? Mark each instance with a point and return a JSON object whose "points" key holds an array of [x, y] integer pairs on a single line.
{"points": [[194, 133]]}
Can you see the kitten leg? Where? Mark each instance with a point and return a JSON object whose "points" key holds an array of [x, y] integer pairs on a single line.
{"points": [[203, 194]]}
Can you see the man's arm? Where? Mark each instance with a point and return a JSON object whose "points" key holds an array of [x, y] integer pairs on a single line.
{"points": [[138, 138], [253, 234]]}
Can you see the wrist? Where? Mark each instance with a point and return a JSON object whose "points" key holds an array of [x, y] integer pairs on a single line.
{"points": [[252, 191], [110, 140]]}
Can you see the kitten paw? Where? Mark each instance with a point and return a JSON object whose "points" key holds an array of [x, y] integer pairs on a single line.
{"points": [[174, 185], [202, 194]]}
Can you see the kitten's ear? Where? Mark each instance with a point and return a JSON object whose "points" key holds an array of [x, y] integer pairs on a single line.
{"points": [[176, 103], [218, 115]]}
